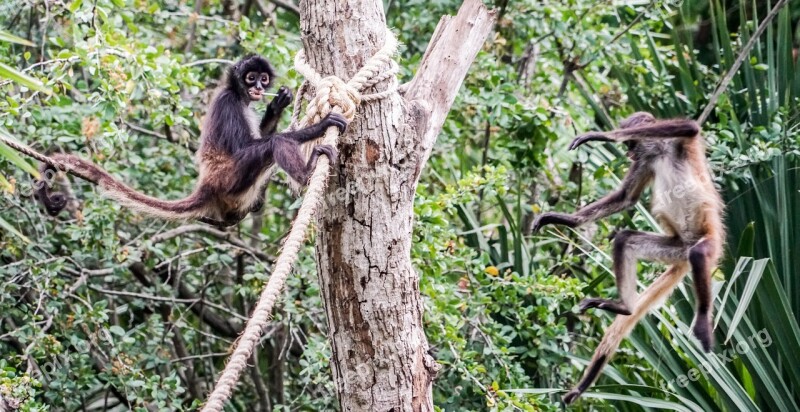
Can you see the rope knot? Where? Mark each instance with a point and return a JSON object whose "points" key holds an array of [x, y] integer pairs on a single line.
{"points": [[333, 92]]}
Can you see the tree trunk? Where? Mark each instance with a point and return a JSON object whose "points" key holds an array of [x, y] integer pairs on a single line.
{"points": [[371, 293]]}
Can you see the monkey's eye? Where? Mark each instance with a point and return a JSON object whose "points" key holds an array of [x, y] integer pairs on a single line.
{"points": [[250, 78], [264, 78]]}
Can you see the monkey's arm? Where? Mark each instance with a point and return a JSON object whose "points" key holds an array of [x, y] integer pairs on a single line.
{"points": [[269, 123], [631, 189], [315, 131], [664, 129]]}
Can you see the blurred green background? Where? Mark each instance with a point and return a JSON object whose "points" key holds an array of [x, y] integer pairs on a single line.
{"points": [[104, 309]]}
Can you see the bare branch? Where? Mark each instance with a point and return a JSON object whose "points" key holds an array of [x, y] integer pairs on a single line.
{"points": [[712, 102], [226, 236], [156, 298], [207, 61], [286, 5], [452, 49], [139, 129]]}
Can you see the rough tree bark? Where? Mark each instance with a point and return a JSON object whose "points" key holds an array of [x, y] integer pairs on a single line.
{"points": [[380, 353]]}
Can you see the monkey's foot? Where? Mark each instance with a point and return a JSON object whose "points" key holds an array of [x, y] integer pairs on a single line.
{"points": [[612, 306], [704, 333], [329, 151]]}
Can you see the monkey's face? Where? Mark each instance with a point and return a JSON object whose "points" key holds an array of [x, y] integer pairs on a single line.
{"points": [[256, 83], [250, 77]]}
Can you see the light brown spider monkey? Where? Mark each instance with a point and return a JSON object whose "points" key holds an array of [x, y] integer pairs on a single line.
{"points": [[670, 155], [236, 151]]}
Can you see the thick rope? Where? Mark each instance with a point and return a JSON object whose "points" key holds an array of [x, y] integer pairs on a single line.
{"points": [[332, 95], [27, 150]]}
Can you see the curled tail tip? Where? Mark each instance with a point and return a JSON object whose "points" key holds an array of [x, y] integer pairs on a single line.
{"points": [[589, 377], [56, 204], [53, 203], [572, 396]]}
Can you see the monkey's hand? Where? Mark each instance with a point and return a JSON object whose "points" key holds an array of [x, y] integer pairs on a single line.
{"points": [[588, 137], [283, 99], [335, 119], [553, 219]]}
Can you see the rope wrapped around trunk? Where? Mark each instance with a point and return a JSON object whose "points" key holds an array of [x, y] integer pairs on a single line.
{"points": [[332, 95]]}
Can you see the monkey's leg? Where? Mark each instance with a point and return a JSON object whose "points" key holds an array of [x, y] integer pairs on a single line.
{"points": [[631, 189], [252, 161], [664, 129], [287, 156], [659, 290], [700, 258], [630, 246]]}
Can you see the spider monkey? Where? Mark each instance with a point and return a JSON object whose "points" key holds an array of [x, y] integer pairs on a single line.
{"points": [[236, 151], [670, 155]]}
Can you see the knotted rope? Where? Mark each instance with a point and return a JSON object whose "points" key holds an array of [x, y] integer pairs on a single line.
{"points": [[332, 95]]}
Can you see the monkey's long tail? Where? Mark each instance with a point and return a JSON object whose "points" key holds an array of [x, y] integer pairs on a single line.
{"points": [[653, 296], [661, 129], [187, 208]]}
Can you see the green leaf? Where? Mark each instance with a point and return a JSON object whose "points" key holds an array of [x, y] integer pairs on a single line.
{"points": [[10, 229], [136, 383], [639, 400], [23, 79], [117, 330], [5, 184], [747, 240], [756, 271], [75, 5], [14, 157], [10, 38]]}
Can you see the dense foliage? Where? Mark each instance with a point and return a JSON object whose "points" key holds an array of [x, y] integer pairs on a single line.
{"points": [[102, 307]]}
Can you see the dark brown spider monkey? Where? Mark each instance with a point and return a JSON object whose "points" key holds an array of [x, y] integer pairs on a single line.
{"points": [[236, 151], [670, 155]]}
